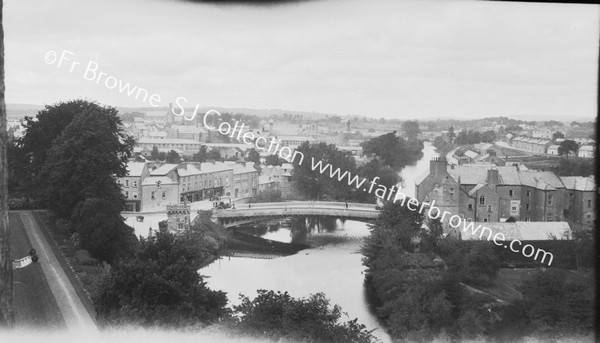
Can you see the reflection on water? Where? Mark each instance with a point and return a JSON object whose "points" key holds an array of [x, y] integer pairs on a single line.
{"points": [[334, 268]]}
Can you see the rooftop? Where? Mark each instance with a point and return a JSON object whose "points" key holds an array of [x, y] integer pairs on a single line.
{"points": [[524, 231]]}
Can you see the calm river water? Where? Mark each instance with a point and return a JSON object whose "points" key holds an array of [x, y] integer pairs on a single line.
{"points": [[335, 269]]}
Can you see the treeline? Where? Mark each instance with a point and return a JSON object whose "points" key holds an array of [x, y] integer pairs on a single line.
{"points": [[421, 297], [388, 154]]}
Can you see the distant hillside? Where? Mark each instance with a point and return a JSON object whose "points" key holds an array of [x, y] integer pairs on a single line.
{"points": [[22, 110]]}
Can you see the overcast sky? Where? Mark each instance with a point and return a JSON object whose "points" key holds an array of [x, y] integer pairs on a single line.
{"points": [[375, 58]]}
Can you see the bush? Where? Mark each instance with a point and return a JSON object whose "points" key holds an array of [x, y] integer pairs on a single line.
{"points": [[306, 319], [83, 258]]}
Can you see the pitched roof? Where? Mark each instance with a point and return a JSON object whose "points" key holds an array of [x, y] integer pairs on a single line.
{"points": [[163, 170], [579, 183], [524, 231], [164, 180], [135, 168]]}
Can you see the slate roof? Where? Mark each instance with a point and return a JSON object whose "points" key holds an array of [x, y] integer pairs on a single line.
{"points": [[164, 180], [472, 174], [579, 183], [135, 168], [163, 170], [523, 231]]}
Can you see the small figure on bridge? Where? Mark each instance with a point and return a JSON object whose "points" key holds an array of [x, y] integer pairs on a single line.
{"points": [[248, 205], [346, 205]]}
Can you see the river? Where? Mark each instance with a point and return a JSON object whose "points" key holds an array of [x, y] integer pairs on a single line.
{"points": [[335, 268]]}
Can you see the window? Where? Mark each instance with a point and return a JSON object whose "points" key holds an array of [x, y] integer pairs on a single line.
{"points": [[470, 207], [164, 195], [452, 191], [482, 200], [570, 196], [550, 198], [152, 195], [119, 182], [526, 219], [527, 208], [126, 183], [590, 203], [135, 195], [528, 193], [485, 220], [127, 194], [510, 193], [489, 208], [134, 183]]}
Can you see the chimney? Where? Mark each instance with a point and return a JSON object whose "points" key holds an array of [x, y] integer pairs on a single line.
{"points": [[437, 166], [492, 176]]}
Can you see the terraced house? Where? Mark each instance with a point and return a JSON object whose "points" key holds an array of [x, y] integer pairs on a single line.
{"points": [[489, 193], [172, 184]]}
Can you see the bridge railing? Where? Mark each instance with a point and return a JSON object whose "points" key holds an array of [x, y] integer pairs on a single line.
{"points": [[304, 204]]}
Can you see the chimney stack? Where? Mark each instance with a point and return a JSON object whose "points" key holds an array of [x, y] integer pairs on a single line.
{"points": [[492, 176]]}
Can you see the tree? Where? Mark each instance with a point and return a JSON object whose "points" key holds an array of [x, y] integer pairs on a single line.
{"points": [[392, 150], [314, 184], [411, 128], [274, 160], [557, 135], [172, 157], [310, 319], [560, 301], [201, 155], [161, 286], [254, 156], [214, 155], [567, 146], [84, 161], [40, 133], [6, 288], [451, 134], [155, 154], [101, 230]]}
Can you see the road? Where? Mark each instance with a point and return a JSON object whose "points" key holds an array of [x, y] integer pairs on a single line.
{"points": [[74, 314]]}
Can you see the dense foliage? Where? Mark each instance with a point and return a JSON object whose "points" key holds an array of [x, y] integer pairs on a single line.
{"points": [[279, 316], [394, 151], [72, 153], [416, 297], [560, 302], [161, 286]]}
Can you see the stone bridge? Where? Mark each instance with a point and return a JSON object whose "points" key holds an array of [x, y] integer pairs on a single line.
{"points": [[248, 213]]}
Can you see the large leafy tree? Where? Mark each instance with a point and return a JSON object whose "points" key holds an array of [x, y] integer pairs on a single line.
{"points": [[85, 160], [314, 184], [101, 229], [393, 151], [40, 133], [278, 315], [567, 147], [161, 287], [411, 129]]}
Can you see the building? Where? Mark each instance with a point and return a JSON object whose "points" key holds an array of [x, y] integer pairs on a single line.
{"points": [[199, 181], [493, 193], [586, 151], [580, 199], [542, 133], [160, 188], [553, 149], [178, 218], [131, 185], [184, 146], [245, 180]]}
